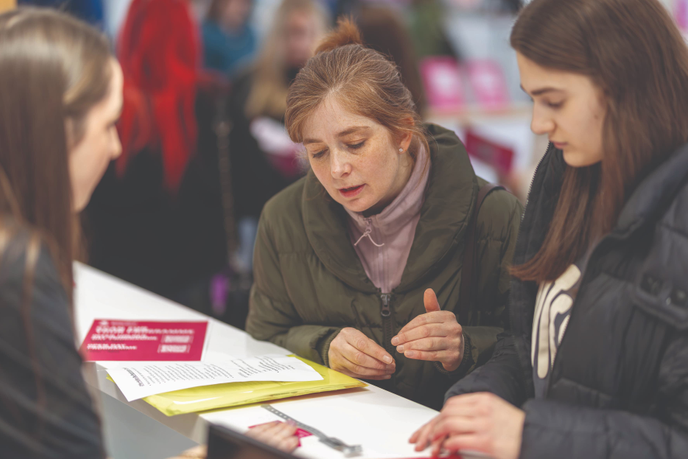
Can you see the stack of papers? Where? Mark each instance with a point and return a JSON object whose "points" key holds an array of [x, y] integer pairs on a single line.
{"points": [[166, 363], [141, 379]]}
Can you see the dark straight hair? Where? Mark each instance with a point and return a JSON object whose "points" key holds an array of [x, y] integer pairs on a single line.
{"points": [[633, 52], [54, 70]]}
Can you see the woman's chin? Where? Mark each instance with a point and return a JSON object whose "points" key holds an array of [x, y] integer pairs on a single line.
{"points": [[580, 159]]}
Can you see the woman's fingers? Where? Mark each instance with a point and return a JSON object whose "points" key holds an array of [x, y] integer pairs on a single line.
{"points": [[259, 431], [367, 346], [359, 358], [422, 436], [288, 445], [356, 355], [276, 434]]}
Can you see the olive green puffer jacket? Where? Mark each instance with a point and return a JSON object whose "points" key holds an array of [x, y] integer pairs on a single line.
{"points": [[309, 282]]}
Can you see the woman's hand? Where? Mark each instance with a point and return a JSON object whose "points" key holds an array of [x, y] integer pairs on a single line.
{"points": [[277, 434], [356, 355], [435, 336], [479, 422]]}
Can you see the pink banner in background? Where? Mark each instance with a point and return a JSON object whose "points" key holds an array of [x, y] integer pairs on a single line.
{"points": [[488, 83], [443, 83]]}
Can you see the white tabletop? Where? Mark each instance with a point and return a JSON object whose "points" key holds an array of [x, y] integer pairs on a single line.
{"points": [[376, 419]]}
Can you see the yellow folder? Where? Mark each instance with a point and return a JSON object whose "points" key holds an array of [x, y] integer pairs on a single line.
{"points": [[7, 5], [245, 393]]}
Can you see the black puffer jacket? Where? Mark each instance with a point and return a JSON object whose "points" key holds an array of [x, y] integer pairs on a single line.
{"points": [[619, 384]]}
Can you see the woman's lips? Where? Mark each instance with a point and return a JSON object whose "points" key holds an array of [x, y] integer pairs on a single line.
{"points": [[559, 145], [351, 192]]}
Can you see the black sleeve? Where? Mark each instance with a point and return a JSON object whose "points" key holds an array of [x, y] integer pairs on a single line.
{"points": [[45, 410], [500, 375], [554, 429]]}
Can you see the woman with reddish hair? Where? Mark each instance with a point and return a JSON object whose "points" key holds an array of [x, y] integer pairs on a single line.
{"points": [[359, 265], [157, 218]]}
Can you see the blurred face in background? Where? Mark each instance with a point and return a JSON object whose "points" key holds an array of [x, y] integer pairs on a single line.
{"points": [[100, 144], [235, 13], [567, 107], [302, 31], [355, 158]]}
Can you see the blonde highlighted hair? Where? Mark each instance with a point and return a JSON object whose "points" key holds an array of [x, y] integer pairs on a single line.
{"points": [[268, 94]]}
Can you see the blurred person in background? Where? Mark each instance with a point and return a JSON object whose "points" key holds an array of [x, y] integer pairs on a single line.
{"points": [[60, 97], [90, 11], [156, 219], [383, 29], [427, 29], [264, 159], [595, 364], [229, 41]]}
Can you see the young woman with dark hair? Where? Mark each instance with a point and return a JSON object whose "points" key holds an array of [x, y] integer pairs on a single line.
{"points": [[60, 97], [596, 363]]}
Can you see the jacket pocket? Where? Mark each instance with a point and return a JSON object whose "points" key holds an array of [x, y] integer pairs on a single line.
{"points": [[661, 298]]}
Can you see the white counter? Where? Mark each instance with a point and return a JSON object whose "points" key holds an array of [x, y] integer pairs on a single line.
{"points": [[376, 419]]}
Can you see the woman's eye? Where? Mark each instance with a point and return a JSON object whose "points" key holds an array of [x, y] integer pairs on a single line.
{"points": [[318, 154], [356, 146], [554, 105]]}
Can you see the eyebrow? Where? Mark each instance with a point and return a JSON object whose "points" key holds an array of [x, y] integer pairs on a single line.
{"points": [[344, 133], [541, 91]]}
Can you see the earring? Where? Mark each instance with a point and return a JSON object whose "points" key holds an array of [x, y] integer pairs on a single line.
{"points": [[401, 150]]}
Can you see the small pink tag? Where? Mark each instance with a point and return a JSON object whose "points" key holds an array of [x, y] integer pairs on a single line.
{"points": [[300, 433]]}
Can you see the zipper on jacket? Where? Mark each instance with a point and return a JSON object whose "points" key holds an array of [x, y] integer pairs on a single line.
{"points": [[385, 311], [387, 322]]}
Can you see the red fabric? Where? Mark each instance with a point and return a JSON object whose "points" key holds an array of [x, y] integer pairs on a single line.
{"points": [[159, 52]]}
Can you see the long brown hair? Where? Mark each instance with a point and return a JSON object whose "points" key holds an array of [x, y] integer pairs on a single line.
{"points": [[633, 52], [54, 70], [362, 80]]}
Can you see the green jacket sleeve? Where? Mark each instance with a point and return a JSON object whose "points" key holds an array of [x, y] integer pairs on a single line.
{"points": [[497, 229], [272, 316]]}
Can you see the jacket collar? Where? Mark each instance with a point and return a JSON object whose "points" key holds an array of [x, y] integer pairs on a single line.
{"points": [[654, 192], [403, 208], [449, 199], [649, 197]]}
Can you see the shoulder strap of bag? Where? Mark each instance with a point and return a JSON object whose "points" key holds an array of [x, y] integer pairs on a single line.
{"points": [[470, 258]]}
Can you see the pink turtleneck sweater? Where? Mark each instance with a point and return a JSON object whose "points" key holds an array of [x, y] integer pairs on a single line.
{"points": [[383, 242]]}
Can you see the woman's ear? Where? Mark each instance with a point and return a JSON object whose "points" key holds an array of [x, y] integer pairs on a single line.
{"points": [[407, 136], [405, 142]]}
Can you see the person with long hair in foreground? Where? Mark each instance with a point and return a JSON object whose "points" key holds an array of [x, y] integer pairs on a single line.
{"points": [[60, 98]]}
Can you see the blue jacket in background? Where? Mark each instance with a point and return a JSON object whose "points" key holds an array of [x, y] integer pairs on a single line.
{"points": [[226, 52]]}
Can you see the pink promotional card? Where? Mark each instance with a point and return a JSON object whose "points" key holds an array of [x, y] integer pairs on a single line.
{"points": [[123, 340]]}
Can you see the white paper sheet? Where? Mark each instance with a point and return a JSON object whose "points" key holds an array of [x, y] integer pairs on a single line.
{"points": [[141, 379]]}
